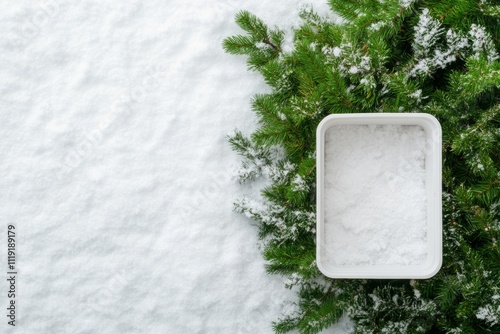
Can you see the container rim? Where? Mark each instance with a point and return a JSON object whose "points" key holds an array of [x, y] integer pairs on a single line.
{"points": [[433, 132]]}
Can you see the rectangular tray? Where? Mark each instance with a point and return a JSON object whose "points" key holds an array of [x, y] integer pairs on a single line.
{"points": [[431, 260]]}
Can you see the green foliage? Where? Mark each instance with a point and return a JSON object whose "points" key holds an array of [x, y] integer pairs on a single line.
{"points": [[262, 44], [439, 57]]}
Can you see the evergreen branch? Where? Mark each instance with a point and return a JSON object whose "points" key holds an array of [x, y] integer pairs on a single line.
{"points": [[441, 59], [272, 45]]}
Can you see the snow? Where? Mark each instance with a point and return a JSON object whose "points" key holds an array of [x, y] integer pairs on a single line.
{"points": [[482, 42], [299, 184], [353, 70], [427, 32], [337, 51], [375, 196], [348, 59], [117, 173], [489, 314], [407, 3], [430, 55]]}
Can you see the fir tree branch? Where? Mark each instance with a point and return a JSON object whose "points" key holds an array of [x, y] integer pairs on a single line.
{"points": [[267, 41], [323, 75]]}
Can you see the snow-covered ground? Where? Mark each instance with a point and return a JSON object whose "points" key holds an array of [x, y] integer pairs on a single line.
{"points": [[116, 172]]}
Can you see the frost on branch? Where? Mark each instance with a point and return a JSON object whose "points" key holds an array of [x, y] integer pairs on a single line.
{"points": [[285, 224], [409, 314], [299, 184], [259, 160], [482, 43], [406, 3], [456, 42], [490, 313], [348, 59], [435, 50], [428, 54], [427, 33]]}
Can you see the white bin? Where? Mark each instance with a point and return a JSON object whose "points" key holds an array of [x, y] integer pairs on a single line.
{"points": [[430, 242]]}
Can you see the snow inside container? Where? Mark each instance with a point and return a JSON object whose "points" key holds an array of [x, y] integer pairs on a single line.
{"points": [[379, 196]]}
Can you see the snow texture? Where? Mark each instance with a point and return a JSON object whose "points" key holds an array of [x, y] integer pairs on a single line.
{"points": [[117, 173], [375, 198]]}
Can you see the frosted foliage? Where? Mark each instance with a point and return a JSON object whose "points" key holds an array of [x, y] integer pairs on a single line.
{"points": [[336, 51], [417, 95], [406, 3], [383, 301], [455, 331], [308, 107], [482, 42], [286, 224], [271, 165], [254, 169], [443, 58], [377, 25], [490, 313], [261, 161], [368, 81], [317, 15], [283, 83], [422, 67], [427, 32], [427, 54], [348, 60], [299, 184], [455, 41], [320, 282], [435, 50], [278, 172], [293, 280]]}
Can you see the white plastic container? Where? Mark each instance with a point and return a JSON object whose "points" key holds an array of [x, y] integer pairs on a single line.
{"points": [[433, 164]]}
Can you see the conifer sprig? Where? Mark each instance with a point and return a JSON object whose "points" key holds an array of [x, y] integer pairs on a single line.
{"points": [[261, 44]]}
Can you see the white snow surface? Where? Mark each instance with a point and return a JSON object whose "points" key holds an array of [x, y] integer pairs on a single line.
{"points": [[375, 195], [116, 171]]}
